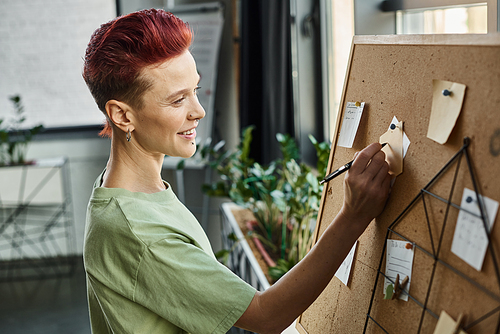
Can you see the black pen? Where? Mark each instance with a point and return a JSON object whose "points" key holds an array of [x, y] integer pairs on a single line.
{"points": [[339, 171]]}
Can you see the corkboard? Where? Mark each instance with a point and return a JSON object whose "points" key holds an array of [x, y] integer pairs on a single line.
{"points": [[393, 76]]}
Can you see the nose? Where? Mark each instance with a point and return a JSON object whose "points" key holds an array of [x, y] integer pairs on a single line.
{"points": [[197, 112]]}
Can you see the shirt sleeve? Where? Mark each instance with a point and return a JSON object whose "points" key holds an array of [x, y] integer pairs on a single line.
{"points": [[180, 282]]}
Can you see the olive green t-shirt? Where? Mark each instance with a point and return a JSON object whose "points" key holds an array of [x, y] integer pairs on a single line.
{"points": [[150, 268]]}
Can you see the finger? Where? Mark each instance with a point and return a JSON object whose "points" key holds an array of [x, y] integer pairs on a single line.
{"points": [[382, 173], [363, 158], [377, 162]]}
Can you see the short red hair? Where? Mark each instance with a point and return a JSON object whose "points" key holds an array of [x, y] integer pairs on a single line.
{"points": [[120, 49]]}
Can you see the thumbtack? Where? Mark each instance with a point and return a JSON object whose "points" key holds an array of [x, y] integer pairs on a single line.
{"points": [[357, 104], [393, 126], [469, 199], [446, 92]]}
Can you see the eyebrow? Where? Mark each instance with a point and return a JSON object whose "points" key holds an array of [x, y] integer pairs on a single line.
{"points": [[183, 91]]}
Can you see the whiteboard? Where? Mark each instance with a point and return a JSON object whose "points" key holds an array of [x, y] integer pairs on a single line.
{"points": [[42, 45]]}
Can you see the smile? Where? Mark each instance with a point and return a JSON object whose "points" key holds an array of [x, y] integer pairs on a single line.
{"points": [[187, 132]]}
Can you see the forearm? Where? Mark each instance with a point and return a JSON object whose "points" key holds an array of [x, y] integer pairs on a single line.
{"points": [[293, 293]]}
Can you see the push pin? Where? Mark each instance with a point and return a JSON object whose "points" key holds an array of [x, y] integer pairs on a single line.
{"points": [[393, 126], [446, 92], [357, 104], [399, 287]]}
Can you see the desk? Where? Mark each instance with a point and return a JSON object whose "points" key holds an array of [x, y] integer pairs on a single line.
{"points": [[37, 232]]}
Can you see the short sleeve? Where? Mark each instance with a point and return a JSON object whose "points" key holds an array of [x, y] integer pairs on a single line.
{"points": [[183, 284]]}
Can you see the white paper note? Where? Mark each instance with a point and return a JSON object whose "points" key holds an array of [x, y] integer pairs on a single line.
{"points": [[399, 260], [344, 270], [406, 140], [350, 124], [470, 241]]}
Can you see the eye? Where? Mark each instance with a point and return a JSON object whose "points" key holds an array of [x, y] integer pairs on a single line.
{"points": [[179, 100]]}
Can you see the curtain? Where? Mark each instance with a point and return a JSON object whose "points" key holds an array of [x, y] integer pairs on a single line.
{"points": [[265, 76]]}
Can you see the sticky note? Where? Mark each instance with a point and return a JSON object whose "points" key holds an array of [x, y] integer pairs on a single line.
{"points": [[350, 123], [406, 140], [447, 99], [394, 150], [446, 325], [399, 260], [470, 241], [344, 270]]}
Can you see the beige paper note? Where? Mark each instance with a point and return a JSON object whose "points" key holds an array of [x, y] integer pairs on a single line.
{"points": [[445, 109], [394, 150], [446, 325]]}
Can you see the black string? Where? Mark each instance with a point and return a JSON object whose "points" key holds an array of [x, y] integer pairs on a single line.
{"points": [[428, 225]]}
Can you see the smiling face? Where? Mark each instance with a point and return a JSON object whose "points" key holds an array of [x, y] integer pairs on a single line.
{"points": [[166, 124]]}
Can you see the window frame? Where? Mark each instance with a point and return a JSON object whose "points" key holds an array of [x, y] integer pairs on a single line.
{"points": [[493, 7]]}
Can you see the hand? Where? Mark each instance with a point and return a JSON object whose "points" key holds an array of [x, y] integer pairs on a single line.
{"points": [[366, 186]]}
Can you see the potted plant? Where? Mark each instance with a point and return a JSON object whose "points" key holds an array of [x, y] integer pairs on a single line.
{"points": [[14, 139], [283, 196]]}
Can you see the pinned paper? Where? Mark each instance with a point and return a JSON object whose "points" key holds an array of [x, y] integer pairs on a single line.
{"points": [[394, 150], [406, 140], [446, 325], [399, 261], [470, 241], [447, 99], [344, 270], [350, 123]]}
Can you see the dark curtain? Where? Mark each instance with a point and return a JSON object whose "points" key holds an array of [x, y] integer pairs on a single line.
{"points": [[266, 85]]}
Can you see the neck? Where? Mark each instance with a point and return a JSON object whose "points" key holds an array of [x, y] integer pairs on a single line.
{"points": [[130, 168]]}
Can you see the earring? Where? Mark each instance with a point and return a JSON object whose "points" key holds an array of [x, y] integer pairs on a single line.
{"points": [[129, 135], [191, 115]]}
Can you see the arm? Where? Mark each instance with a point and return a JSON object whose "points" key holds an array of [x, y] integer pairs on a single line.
{"points": [[366, 188]]}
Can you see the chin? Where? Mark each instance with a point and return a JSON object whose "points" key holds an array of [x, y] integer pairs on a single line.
{"points": [[186, 155]]}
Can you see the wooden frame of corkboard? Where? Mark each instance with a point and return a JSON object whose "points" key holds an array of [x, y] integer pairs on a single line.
{"points": [[393, 76]]}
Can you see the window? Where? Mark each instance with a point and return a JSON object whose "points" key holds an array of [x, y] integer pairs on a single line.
{"points": [[338, 31], [470, 19]]}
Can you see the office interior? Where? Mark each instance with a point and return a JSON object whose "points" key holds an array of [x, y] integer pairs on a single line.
{"points": [[310, 40]]}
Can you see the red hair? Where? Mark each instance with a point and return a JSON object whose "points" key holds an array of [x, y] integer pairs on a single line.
{"points": [[120, 49]]}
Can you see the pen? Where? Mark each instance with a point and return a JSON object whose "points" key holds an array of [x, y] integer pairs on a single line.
{"points": [[339, 171]]}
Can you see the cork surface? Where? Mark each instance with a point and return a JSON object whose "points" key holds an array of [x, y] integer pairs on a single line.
{"points": [[393, 76]]}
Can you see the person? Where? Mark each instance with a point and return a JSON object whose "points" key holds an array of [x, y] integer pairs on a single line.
{"points": [[149, 265]]}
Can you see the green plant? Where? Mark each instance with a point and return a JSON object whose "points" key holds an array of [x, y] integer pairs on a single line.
{"points": [[284, 196], [13, 139]]}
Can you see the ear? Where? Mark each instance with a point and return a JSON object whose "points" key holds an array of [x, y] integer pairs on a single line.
{"points": [[119, 113]]}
